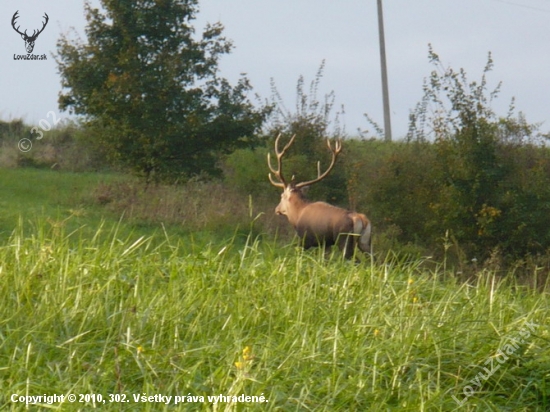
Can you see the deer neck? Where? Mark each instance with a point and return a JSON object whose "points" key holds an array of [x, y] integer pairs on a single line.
{"points": [[298, 203]]}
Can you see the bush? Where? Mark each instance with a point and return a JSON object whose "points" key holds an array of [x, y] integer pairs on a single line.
{"points": [[484, 180], [404, 190], [245, 170], [65, 147]]}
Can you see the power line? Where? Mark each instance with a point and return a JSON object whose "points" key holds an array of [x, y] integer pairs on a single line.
{"points": [[523, 5]]}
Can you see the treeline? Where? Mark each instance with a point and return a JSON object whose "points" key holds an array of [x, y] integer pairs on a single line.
{"points": [[482, 190]]}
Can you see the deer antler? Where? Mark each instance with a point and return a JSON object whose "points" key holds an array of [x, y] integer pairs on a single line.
{"points": [[280, 153], [34, 33], [279, 172], [337, 149]]}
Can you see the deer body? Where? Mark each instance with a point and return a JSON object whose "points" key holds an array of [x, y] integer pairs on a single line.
{"points": [[319, 223]]}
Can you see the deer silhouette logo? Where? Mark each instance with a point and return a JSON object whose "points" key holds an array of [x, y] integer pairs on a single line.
{"points": [[29, 40]]}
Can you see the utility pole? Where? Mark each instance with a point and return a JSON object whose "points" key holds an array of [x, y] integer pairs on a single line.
{"points": [[385, 93]]}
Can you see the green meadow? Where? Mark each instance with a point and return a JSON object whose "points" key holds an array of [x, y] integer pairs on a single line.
{"points": [[136, 315]]}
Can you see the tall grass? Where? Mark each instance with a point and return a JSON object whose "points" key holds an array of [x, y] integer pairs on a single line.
{"points": [[195, 206], [131, 314]]}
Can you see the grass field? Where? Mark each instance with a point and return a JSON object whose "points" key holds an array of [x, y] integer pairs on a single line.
{"points": [[115, 312]]}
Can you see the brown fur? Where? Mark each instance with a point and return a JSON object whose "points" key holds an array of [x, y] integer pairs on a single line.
{"points": [[319, 223]]}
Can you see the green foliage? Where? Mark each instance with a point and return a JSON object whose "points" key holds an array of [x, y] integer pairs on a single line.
{"points": [[13, 128], [403, 191], [65, 146], [150, 92], [245, 171], [484, 179], [10, 134]]}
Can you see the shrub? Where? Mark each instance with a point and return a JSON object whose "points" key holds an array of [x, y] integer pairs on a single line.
{"points": [[65, 147], [245, 170], [485, 180]]}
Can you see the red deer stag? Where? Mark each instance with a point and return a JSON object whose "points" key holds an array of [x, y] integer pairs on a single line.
{"points": [[318, 223]]}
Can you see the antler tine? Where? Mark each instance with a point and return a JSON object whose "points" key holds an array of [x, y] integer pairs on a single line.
{"points": [[337, 146], [337, 149], [45, 23], [13, 19], [279, 153]]}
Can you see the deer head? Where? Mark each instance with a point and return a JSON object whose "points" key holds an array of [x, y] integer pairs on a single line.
{"points": [[292, 191], [29, 40]]}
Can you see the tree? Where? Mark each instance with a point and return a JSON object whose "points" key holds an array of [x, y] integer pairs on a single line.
{"points": [[150, 93]]}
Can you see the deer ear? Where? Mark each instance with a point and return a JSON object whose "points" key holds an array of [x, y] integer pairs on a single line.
{"points": [[305, 189], [23, 36]]}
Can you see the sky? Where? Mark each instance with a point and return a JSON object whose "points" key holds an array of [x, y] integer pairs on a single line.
{"points": [[281, 40]]}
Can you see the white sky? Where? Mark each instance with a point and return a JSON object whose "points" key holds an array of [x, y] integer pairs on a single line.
{"points": [[283, 39]]}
